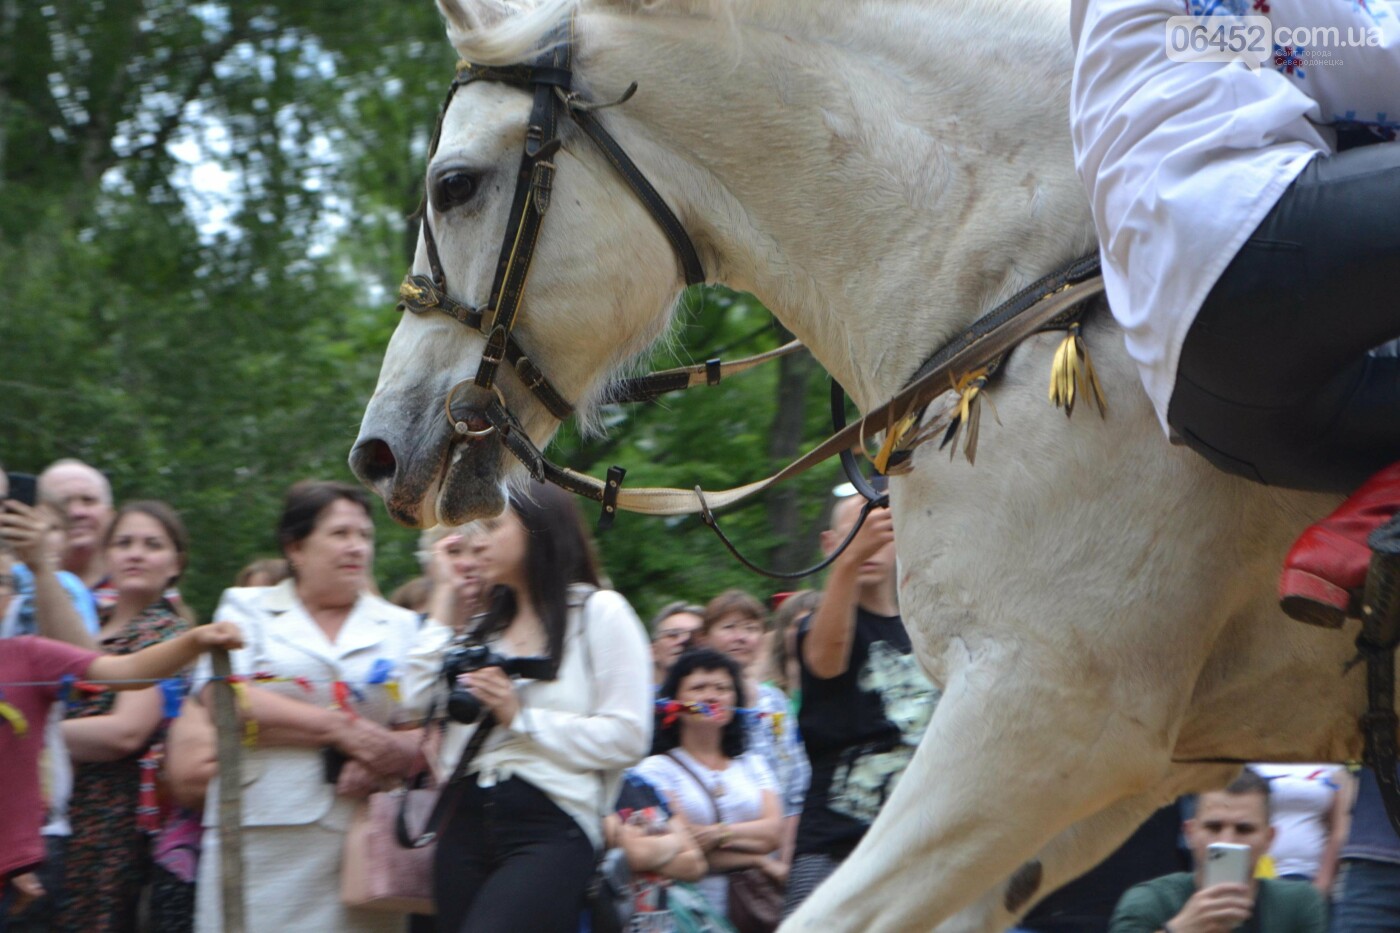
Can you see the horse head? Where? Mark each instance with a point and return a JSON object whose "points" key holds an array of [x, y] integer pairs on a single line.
{"points": [[596, 293]]}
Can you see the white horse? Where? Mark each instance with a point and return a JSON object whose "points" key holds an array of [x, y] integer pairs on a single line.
{"points": [[1097, 605]]}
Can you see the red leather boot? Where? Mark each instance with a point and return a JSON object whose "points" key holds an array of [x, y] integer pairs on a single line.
{"points": [[1328, 562]]}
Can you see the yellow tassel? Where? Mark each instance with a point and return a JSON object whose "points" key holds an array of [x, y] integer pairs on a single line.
{"points": [[15, 718], [967, 419], [391, 689], [893, 438], [250, 725], [1072, 374]]}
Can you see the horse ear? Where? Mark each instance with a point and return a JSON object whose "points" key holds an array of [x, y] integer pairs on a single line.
{"points": [[501, 31], [460, 20]]}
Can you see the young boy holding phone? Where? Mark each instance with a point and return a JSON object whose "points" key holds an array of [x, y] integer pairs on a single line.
{"points": [[31, 669], [1228, 835]]}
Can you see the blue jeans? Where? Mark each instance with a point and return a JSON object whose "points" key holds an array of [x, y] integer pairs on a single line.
{"points": [[1366, 897]]}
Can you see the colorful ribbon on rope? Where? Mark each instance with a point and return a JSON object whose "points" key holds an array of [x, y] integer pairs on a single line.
{"points": [[671, 709]]}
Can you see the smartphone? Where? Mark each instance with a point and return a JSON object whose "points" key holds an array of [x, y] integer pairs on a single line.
{"points": [[24, 487], [333, 760], [1226, 863]]}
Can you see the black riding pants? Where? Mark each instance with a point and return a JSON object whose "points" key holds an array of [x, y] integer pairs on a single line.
{"points": [[510, 859], [1280, 379]]}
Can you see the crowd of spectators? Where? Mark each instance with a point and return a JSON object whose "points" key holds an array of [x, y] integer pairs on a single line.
{"points": [[749, 747]]}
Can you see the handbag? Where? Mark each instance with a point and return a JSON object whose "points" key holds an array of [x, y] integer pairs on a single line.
{"points": [[755, 899], [385, 865], [609, 894], [377, 873]]}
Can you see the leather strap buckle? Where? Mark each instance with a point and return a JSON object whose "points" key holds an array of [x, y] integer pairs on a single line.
{"points": [[612, 485]]}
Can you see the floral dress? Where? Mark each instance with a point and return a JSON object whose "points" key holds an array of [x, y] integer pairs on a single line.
{"points": [[108, 858]]}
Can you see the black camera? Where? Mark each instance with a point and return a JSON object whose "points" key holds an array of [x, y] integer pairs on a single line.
{"points": [[463, 659]]}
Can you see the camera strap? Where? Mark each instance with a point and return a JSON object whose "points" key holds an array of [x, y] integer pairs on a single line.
{"points": [[449, 793]]}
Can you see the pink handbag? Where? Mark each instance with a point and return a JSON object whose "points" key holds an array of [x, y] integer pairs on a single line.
{"points": [[376, 872]]}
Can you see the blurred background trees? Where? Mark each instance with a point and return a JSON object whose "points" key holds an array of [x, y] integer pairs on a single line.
{"points": [[202, 225]]}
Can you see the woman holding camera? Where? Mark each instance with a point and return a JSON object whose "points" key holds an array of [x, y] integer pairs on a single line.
{"points": [[321, 650], [524, 816]]}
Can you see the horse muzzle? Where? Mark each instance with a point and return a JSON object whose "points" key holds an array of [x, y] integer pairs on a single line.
{"points": [[427, 471]]}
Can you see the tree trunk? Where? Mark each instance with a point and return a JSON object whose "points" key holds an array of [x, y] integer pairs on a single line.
{"points": [[795, 546]]}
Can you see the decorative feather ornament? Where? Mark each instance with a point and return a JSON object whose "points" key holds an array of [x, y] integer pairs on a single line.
{"points": [[967, 418], [1072, 374], [894, 442]]}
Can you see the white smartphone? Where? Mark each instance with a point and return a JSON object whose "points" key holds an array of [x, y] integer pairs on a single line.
{"points": [[1226, 863]]}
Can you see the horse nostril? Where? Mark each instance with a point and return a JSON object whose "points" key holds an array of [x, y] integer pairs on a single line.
{"points": [[373, 461]]}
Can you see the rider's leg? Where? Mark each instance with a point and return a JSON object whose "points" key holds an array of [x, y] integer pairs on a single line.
{"points": [[1276, 381]]}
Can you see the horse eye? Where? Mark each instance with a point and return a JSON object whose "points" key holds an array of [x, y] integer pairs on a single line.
{"points": [[453, 189]]}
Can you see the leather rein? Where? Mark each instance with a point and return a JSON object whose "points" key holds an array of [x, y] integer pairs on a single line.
{"points": [[1052, 303]]}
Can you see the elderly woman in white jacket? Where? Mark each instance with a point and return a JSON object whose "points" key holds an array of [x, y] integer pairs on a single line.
{"points": [[518, 846], [321, 734]]}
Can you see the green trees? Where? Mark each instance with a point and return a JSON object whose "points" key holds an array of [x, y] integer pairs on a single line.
{"points": [[202, 223]]}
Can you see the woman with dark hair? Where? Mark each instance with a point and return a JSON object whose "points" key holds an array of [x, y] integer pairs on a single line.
{"points": [[728, 796], [319, 721], [526, 814], [146, 549]]}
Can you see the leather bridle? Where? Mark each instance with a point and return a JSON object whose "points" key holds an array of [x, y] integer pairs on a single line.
{"points": [[550, 80]]}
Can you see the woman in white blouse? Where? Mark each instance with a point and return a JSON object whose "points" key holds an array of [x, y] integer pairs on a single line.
{"points": [[319, 730], [727, 795], [518, 846]]}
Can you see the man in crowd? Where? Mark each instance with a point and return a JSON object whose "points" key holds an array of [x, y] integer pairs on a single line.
{"points": [[85, 497], [1086, 904], [673, 630], [1182, 903], [865, 703]]}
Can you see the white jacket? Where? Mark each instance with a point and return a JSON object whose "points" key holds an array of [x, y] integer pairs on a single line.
{"points": [[287, 786]]}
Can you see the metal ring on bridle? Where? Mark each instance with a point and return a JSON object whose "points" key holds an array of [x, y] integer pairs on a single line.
{"points": [[461, 426]]}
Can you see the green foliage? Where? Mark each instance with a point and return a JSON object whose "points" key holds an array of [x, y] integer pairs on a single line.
{"points": [[210, 344], [715, 438]]}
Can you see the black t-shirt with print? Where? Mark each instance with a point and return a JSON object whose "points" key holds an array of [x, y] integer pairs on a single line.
{"points": [[860, 729]]}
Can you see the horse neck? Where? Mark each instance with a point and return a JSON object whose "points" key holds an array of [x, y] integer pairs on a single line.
{"points": [[878, 191]]}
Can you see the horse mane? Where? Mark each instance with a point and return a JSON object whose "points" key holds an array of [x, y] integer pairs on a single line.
{"points": [[505, 32]]}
